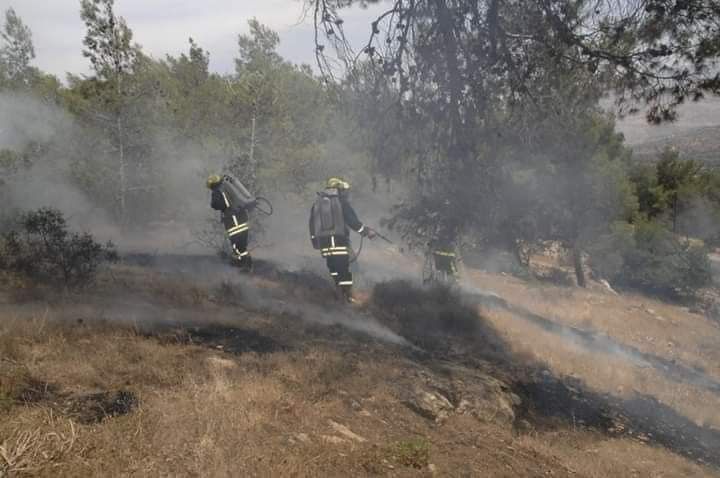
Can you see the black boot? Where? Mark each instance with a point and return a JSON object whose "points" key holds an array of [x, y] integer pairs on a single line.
{"points": [[346, 292], [245, 263]]}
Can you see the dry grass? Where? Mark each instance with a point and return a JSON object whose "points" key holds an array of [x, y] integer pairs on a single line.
{"points": [[327, 403], [607, 373], [38, 444], [651, 326]]}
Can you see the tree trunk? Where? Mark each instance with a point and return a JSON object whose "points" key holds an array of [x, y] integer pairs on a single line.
{"points": [[122, 171], [579, 269], [520, 256], [251, 156]]}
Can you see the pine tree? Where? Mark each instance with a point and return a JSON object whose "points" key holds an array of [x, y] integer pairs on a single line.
{"points": [[16, 52]]}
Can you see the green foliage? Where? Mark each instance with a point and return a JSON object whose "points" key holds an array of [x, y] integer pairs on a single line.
{"points": [[684, 194], [16, 52], [10, 161], [649, 257], [414, 453], [108, 40], [258, 50], [41, 249]]}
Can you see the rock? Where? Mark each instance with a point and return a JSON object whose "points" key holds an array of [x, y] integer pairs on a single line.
{"points": [[333, 439], [221, 363], [431, 405], [346, 432], [607, 286], [523, 426]]}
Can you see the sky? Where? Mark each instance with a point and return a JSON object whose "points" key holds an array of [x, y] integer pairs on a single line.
{"points": [[164, 26]]}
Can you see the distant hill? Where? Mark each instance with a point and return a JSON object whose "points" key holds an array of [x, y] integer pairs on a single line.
{"points": [[701, 143], [696, 134]]}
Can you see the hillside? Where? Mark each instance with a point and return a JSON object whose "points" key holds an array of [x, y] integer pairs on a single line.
{"points": [[175, 365], [696, 133], [702, 144]]}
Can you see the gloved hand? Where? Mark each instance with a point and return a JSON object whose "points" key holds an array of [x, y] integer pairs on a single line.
{"points": [[369, 233]]}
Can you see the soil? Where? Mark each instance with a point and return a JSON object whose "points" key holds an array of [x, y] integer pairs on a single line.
{"points": [[201, 373]]}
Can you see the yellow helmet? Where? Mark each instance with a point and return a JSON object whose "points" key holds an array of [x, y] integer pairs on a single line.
{"points": [[213, 180], [337, 183]]}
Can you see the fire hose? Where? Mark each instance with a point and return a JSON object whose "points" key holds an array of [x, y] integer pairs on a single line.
{"points": [[356, 254], [267, 209]]}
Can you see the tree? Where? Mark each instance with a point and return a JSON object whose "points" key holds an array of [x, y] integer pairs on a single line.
{"points": [[677, 178], [108, 45], [257, 68], [661, 52], [16, 53], [649, 257], [280, 111], [496, 82]]}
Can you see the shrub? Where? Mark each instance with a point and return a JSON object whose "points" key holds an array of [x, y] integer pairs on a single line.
{"points": [[648, 257], [413, 453], [425, 312], [41, 249]]}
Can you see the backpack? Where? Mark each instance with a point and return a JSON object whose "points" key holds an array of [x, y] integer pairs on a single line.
{"points": [[239, 195], [326, 217]]}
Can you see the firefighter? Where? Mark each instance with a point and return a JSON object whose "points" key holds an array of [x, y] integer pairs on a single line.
{"points": [[231, 198], [331, 219], [442, 248]]}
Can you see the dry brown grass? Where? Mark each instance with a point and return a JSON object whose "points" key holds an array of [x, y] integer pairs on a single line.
{"points": [[325, 404], [651, 326]]}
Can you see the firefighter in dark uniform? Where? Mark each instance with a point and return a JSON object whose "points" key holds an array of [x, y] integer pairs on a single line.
{"points": [[235, 218], [442, 247], [334, 244]]}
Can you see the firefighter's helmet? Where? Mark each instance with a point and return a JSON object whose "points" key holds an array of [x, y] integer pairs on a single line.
{"points": [[213, 180], [338, 183]]}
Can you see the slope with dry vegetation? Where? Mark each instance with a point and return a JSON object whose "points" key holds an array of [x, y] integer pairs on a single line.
{"points": [[148, 373]]}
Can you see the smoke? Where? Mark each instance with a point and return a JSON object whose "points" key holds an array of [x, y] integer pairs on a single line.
{"points": [[699, 218], [25, 120], [256, 296], [50, 139], [276, 302], [597, 343]]}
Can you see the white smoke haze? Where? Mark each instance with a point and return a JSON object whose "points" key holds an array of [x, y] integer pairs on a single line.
{"points": [[25, 120], [53, 137]]}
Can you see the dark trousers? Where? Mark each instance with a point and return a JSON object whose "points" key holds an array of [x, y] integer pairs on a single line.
{"points": [[445, 262], [336, 251], [238, 231]]}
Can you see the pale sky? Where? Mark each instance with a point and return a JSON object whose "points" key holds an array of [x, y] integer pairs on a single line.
{"points": [[163, 27]]}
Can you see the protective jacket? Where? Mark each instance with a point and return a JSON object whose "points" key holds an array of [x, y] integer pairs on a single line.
{"points": [[331, 219], [332, 216], [231, 195], [233, 205]]}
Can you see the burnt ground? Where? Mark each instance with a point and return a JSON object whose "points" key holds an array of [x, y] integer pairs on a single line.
{"points": [[601, 343], [550, 402], [446, 327], [86, 408], [443, 331]]}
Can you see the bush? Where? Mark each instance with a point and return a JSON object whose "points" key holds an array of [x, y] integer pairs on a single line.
{"points": [[40, 248], [425, 312], [648, 257]]}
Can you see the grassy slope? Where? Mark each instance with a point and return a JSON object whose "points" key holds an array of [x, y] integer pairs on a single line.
{"points": [[229, 385]]}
